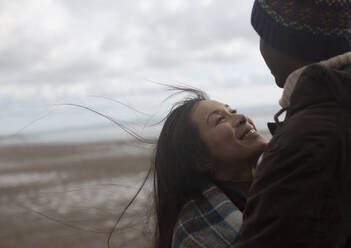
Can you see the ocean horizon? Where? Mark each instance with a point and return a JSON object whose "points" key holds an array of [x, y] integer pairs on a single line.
{"points": [[98, 133], [107, 131]]}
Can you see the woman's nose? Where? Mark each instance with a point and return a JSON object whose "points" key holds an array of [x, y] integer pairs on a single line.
{"points": [[240, 119]]}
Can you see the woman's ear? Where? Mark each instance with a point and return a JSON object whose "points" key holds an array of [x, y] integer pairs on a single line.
{"points": [[206, 167]]}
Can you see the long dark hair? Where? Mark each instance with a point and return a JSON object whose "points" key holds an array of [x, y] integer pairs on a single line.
{"points": [[178, 153], [176, 175]]}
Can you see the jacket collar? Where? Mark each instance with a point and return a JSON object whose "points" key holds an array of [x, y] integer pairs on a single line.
{"points": [[290, 83]]}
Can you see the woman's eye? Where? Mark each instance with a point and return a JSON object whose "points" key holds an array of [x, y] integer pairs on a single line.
{"points": [[219, 120]]}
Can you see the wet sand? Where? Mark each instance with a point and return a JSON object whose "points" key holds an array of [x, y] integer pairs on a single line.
{"points": [[68, 195]]}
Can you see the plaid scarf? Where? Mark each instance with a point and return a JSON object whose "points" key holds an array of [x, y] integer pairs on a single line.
{"points": [[211, 221]]}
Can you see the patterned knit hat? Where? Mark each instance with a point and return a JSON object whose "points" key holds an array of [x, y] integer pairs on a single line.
{"points": [[313, 30]]}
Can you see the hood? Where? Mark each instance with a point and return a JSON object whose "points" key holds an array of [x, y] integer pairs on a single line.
{"points": [[339, 70]]}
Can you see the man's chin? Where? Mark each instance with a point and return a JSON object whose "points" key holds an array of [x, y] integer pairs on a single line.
{"points": [[280, 82]]}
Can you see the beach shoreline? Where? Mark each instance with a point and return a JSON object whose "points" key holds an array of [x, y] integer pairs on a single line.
{"points": [[69, 194]]}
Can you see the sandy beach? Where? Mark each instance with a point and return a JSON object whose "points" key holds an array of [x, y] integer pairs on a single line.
{"points": [[68, 195], [59, 194]]}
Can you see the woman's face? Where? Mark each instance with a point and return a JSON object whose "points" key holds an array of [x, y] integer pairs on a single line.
{"points": [[232, 138]]}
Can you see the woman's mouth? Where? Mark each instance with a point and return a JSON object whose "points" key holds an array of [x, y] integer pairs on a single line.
{"points": [[250, 133]]}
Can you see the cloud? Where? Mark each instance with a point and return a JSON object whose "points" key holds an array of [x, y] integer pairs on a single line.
{"points": [[55, 38], [69, 49]]}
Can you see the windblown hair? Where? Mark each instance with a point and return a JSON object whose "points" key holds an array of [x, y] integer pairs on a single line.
{"points": [[178, 153]]}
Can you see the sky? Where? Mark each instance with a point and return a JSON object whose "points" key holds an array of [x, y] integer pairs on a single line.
{"points": [[99, 53]]}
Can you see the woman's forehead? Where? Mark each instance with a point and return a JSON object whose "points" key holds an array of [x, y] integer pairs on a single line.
{"points": [[205, 107], [210, 105]]}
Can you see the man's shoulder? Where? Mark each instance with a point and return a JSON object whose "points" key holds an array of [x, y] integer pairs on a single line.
{"points": [[315, 124], [312, 134]]}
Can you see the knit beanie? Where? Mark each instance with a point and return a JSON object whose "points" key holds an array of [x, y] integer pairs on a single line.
{"points": [[312, 30]]}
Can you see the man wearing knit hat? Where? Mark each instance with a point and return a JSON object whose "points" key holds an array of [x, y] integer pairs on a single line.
{"points": [[301, 194]]}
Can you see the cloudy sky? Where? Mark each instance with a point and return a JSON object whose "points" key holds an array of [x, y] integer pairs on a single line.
{"points": [[70, 51]]}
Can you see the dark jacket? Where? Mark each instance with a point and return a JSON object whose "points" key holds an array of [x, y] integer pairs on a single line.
{"points": [[301, 195]]}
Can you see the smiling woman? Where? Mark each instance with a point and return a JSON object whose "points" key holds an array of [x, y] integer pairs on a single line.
{"points": [[204, 162], [232, 138]]}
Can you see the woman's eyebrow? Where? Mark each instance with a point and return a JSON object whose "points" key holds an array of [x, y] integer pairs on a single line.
{"points": [[212, 113], [232, 110]]}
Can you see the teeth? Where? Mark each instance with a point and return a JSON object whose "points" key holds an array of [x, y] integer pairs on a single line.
{"points": [[249, 133]]}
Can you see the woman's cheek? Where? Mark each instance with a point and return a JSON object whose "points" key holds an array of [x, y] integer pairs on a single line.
{"points": [[226, 132]]}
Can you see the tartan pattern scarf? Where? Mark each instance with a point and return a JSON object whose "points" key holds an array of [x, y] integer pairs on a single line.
{"points": [[211, 221]]}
